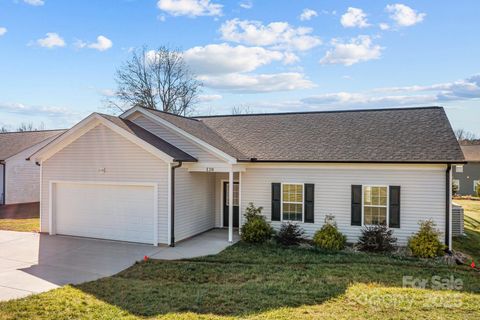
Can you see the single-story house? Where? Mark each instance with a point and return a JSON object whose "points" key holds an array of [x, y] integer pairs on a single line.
{"points": [[153, 177], [467, 176], [19, 178]]}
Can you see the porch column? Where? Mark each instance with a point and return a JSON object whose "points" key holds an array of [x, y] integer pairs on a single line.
{"points": [[240, 213], [230, 205]]}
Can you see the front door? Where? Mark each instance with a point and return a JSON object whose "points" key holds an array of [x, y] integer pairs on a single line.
{"points": [[226, 202]]}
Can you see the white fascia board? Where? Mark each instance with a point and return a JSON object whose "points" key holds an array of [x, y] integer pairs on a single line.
{"points": [[86, 125], [204, 145]]}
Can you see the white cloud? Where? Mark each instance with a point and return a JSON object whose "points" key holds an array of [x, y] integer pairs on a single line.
{"points": [[384, 26], [102, 44], [258, 83], [34, 2], [19, 108], [209, 97], [403, 15], [51, 40], [460, 90], [190, 8], [308, 14], [290, 57], [276, 34], [246, 4], [361, 100], [3, 31], [223, 58], [468, 88], [357, 50], [354, 17], [106, 92]]}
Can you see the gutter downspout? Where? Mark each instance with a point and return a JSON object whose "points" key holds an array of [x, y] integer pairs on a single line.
{"points": [[172, 205], [448, 199], [4, 182]]}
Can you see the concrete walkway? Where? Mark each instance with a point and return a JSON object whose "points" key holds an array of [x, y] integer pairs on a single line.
{"points": [[33, 263]]}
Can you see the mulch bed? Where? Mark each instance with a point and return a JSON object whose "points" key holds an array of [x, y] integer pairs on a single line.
{"points": [[20, 211]]}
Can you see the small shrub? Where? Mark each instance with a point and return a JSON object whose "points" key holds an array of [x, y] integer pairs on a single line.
{"points": [[477, 189], [377, 238], [290, 234], [426, 243], [328, 237], [255, 229]]}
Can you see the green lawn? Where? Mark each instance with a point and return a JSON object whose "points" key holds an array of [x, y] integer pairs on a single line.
{"points": [[261, 282], [471, 243], [28, 225]]}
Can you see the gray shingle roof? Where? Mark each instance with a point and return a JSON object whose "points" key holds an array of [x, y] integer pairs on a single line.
{"points": [[200, 130], [157, 142], [382, 135], [472, 153], [12, 143]]}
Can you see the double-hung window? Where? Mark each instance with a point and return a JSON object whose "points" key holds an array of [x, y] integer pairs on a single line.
{"points": [[375, 205], [292, 202]]}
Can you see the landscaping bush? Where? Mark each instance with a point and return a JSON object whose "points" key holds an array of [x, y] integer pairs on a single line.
{"points": [[328, 237], [426, 243], [377, 238], [255, 229], [477, 189], [290, 234]]}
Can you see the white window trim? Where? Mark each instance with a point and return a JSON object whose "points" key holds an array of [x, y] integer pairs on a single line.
{"points": [[303, 203], [453, 182], [377, 206]]}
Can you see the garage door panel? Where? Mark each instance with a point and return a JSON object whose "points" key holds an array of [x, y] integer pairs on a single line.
{"points": [[117, 212]]}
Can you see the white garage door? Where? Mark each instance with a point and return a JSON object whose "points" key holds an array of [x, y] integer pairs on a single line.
{"points": [[116, 212]]}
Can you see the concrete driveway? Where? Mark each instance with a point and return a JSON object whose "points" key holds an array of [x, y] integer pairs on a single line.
{"points": [[33, 263]]}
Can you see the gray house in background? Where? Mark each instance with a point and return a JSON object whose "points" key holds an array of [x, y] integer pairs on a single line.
{"points": [[468, 175]]}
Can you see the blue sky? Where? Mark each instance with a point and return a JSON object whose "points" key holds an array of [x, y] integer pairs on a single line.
{"points": [[58, 58]]}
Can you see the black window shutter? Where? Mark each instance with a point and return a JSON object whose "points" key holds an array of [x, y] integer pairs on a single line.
{"points": [[309, 200], [394, 209], [276, 198], [356, 219]]}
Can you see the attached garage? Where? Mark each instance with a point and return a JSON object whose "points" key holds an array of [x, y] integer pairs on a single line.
{"points": [[115, 211]]}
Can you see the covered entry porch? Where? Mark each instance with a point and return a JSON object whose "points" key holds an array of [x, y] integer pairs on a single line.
{"points": [[227, 195]]}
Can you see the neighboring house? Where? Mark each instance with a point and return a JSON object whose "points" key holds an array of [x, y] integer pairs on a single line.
{"points": [[19, 178], [467, 176], [153, 177]]}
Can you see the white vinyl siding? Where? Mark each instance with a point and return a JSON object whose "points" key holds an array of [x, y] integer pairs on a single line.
{"points": [[176, 139], [422, 187], [123, 161], [194, 203], [22, 177]]}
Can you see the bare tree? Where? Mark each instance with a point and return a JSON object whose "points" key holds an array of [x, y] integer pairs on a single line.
{"points": [[158, 79], [462, 134], [30, 127], [241, 109], [3, 129]]}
